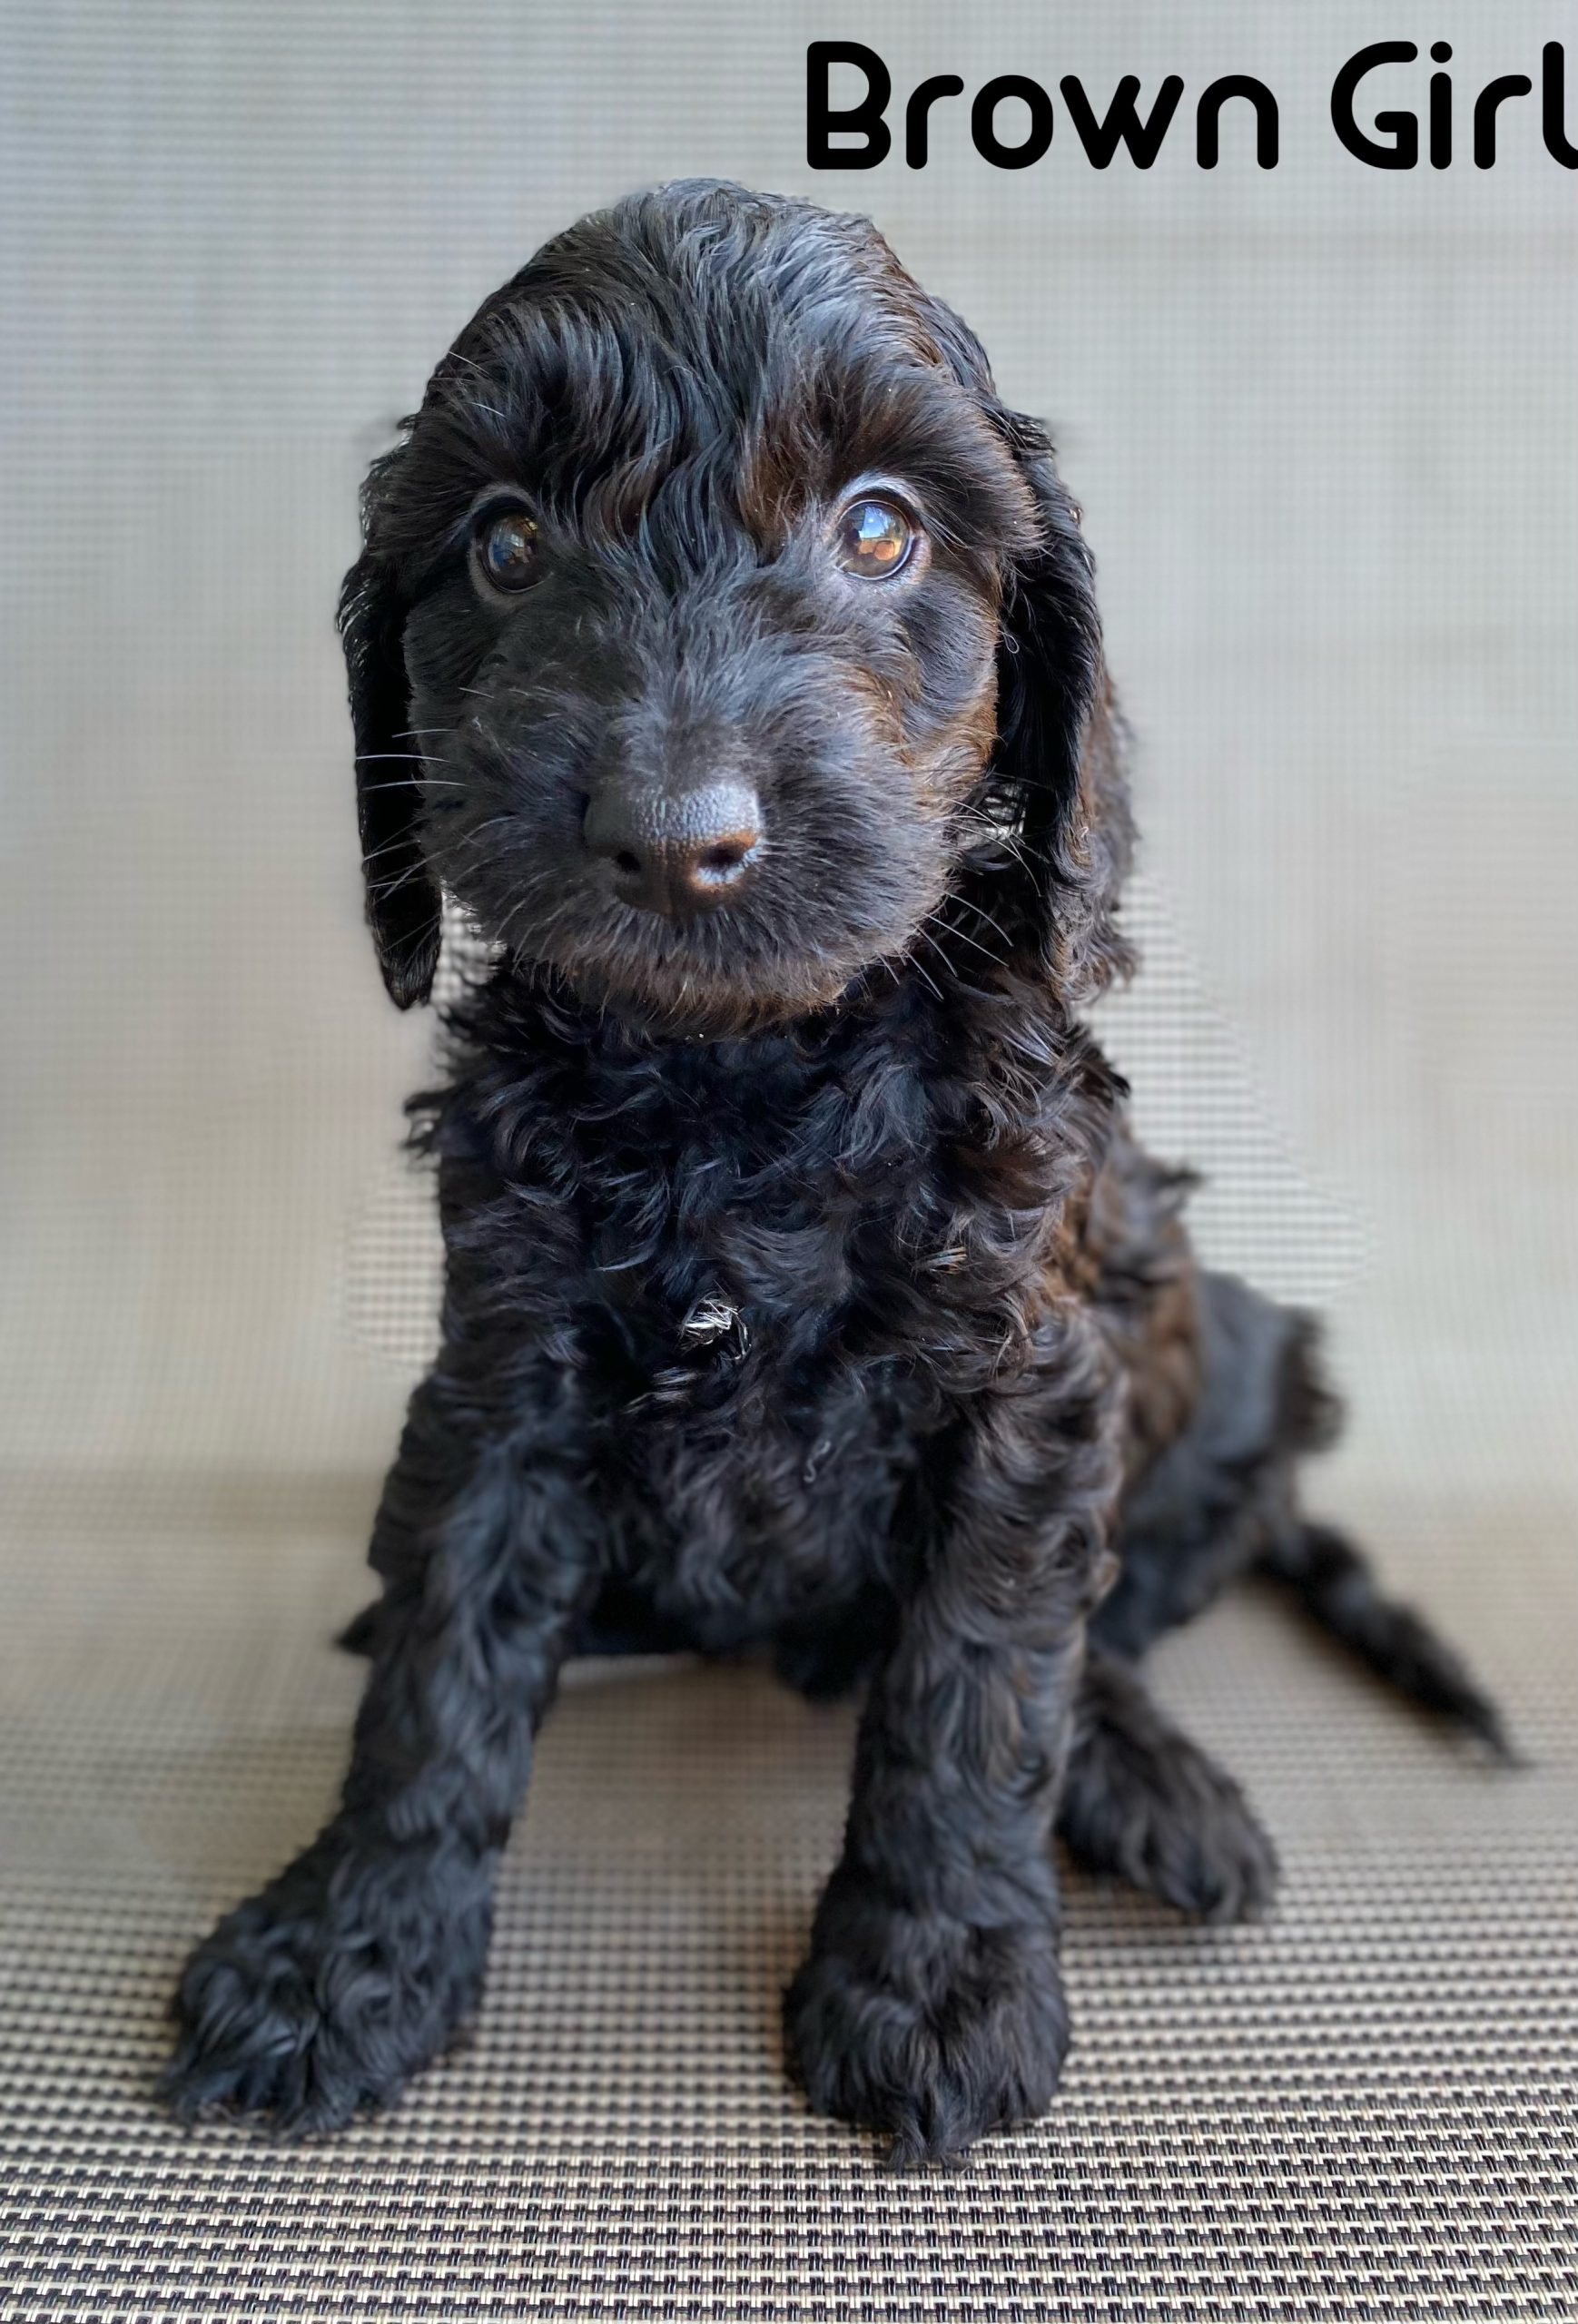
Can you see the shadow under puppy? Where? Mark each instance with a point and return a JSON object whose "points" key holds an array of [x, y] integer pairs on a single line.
{"points": [[728, 650]]}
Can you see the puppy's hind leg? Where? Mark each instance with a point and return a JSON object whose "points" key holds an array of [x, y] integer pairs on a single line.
{"points": [[1142, 1801]]}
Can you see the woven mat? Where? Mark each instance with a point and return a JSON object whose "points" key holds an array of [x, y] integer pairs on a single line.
{"points": [[1361, 2108]]}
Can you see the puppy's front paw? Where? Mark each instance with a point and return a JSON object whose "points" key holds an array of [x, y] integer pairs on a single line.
{"points": [[931, 2029], [322, 1996]]}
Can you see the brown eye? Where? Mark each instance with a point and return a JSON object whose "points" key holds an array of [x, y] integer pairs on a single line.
{"points": [[874, 539], [507, 549]]}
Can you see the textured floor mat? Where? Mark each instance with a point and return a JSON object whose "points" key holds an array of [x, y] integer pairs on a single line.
{"points": [[1362, 2108]]}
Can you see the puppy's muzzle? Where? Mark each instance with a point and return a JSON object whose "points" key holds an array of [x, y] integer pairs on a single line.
{"points": [[676, 852]]}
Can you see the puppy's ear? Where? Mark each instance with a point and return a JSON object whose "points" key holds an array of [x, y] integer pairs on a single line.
{"points": [[1058, 773], [1058, 782], [402, 898]]}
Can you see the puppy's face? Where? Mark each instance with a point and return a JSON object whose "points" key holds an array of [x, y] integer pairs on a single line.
{"points": [[696, 555]]}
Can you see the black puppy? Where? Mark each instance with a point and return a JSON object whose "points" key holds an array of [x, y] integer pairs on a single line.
{"points": [[728, 651]]}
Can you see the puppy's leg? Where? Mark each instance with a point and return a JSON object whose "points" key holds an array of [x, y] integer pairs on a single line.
{"points": [[931, 2005], [350, 1970], [1142, 1801], [1222, 1500]]}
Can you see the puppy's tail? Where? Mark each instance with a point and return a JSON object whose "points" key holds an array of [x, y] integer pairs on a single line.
{"points": [[1336, 1585], [359, 1635]]}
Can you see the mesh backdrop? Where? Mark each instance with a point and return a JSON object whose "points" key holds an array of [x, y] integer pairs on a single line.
{"points": [[1320, 422]]}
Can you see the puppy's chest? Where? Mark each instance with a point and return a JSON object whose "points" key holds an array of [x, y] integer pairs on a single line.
{"points": [[750, 1389], [697, 1270], [740, 1276], [744, 1236]]}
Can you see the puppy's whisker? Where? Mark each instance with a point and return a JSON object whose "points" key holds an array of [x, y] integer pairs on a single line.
{"points": [[950, 967], [417, 784], [975, 945], [384, 888], [981, 913], [547, 923], [929, 982], [389, 847], [468, 849]]}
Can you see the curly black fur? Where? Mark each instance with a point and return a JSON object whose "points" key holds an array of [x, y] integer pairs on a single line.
{"points": [[805, 1287]]}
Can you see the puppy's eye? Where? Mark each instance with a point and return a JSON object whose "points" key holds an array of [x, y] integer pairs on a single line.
{"points": [[874, 539], [507, 549]]}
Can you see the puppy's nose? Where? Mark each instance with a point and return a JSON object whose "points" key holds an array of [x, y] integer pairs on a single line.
{"points": [[676, 852]]}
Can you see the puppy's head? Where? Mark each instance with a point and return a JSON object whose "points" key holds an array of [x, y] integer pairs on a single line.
{"points": [[716, 626]]}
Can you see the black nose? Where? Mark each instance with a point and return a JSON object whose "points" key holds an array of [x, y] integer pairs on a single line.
{"points": [[678, 852]]}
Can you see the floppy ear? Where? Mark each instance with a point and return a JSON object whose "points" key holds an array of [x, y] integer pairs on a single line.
{"points": [[1059, 776], [402, 898], [1056, 783]]}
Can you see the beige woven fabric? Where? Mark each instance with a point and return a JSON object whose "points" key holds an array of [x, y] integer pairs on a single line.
{"points": [[1321, 421], [1361, 2108]]}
